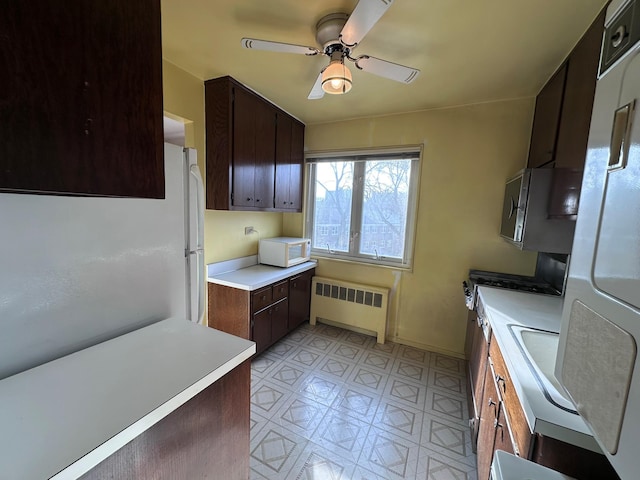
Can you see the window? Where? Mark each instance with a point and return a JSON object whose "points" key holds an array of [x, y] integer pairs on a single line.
{"points": [[362, 205]]}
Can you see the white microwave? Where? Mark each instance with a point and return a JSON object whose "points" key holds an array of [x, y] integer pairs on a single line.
{"points": [[284, 251]]}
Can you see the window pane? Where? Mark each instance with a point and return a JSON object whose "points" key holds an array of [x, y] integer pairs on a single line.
{"points": [[384, 210], [332, 214]]}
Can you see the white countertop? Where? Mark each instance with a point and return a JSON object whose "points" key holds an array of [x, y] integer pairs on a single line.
{"points": [[247, 274], [62, 418], [505, 307]]}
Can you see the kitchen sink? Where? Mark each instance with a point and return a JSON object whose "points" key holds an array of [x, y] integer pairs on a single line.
{"points": [[539, 348]]}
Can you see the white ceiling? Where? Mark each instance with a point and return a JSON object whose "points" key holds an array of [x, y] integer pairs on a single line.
{"points": [[468, 51]]}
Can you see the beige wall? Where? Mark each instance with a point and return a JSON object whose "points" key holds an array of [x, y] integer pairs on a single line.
{"points": [[224, 231], [468, 154]]}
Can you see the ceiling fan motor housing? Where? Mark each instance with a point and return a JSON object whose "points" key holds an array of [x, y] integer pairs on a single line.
{"points": [[328, 30]]}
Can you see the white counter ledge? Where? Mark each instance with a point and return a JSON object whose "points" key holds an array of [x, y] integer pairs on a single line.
{"points": [[63, 418], [507, 307], [246, 274]]}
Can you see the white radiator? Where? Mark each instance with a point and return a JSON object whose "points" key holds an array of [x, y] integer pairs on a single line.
{"points": [[350, 304]]}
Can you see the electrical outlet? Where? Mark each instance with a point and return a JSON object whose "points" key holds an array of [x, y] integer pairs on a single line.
{"points": [[248, 230]]}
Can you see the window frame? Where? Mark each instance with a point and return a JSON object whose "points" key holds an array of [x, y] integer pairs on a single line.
{"points": [[360, 157]]}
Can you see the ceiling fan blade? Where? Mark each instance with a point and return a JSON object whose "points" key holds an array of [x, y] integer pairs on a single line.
{"points": [[256, 44], [390, 70], [364, 17], [317, 92]]}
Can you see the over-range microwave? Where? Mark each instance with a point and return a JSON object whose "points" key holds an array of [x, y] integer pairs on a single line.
{"points": [[525, 214], [284, 251]]}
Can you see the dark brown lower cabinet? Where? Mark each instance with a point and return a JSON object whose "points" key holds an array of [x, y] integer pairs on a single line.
{"points": [[264, 315], [279, 319], [299, 298], [494, 432], [207, 437]]}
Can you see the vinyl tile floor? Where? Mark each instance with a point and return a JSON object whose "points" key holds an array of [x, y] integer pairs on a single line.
{"points": [[328, 403]]}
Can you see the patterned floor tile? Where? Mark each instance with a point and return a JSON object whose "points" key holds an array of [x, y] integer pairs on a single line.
{"points": [[359, 339], [399, 419], [377, 360], [298, 336], [369, 378], [337, 367], [305, 357], [451, 364], [387, 348], [317, 463], [444, 381], [300, 415], [320, 388], [330, 331], [435, 466], [281, 349], [414, 355], [261, 364], [450, 407], [268, 398], [405, 391], [410, 370], [274, 451], [357, 402], [389, 455], [321, 344], [342, 435], [447, 438], [288, 375], [348, 351]]}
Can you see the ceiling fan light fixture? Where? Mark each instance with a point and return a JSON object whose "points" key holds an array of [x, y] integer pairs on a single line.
{"points": [[336, 78]]}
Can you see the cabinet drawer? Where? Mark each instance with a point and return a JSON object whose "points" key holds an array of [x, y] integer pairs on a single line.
{"points": [[281, 290], [519, 427], [261, 298]]}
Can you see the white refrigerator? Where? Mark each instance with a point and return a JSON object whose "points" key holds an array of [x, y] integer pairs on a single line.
{"points": [[76, 271], [597, 358]]}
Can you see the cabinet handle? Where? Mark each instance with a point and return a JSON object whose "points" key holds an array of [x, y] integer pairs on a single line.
{"points": [[257, 199], [504, 383], [491, 402], [263, 297], [248, 199]]}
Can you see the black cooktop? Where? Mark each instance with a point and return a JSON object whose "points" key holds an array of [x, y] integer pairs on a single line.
{"points": [[513, 282]]}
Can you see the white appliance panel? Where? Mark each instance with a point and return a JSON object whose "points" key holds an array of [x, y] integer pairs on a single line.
{"points": [[599, 277], [76, 271], [617, 256]]}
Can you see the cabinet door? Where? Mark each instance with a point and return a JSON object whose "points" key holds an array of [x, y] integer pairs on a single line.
{"points": [[123, 89], [299, 298], [289, 163], [244, 149], [477, 369], [296, 170], [265, 150], [488, 419], [283, 162], [582, 70], [546, 120], [41, 118], [261, 329], [279, 319]]}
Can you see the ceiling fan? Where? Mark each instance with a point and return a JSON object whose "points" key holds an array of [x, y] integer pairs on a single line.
{"points": [[339, 34]]}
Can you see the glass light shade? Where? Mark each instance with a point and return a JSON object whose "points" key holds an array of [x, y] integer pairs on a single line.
{"points": [[336, 78]]}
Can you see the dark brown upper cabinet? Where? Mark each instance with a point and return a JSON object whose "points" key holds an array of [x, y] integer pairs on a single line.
{"points": [[289, 162], [254, 151], [81, 98], [563, 106], [546, 119]]}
